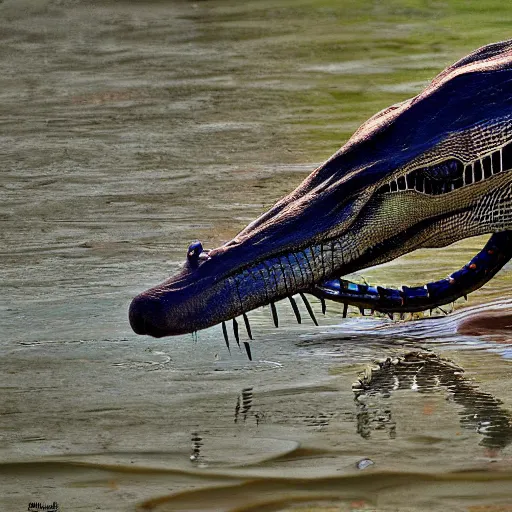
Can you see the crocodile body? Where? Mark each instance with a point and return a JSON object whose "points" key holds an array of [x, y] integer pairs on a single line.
{"points": [[427, 172]]}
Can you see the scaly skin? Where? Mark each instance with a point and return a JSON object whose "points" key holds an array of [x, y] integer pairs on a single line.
{"points": [[470, 277], [424, 173]]}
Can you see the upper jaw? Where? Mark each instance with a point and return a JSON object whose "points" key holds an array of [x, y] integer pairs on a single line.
{"points": [[274, 261], [302, 244], [182, 304], [239, 276], [327, 204], [254, 269], [323, 208]]}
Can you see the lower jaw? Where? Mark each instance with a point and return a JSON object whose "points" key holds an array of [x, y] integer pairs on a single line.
{"points": [[285, 280], [283, 276]]}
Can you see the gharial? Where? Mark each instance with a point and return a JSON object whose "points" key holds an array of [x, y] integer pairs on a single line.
{"points": [[426, 172]]}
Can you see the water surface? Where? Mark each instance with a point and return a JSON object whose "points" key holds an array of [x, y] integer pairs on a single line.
{"points": [[130, 129]]}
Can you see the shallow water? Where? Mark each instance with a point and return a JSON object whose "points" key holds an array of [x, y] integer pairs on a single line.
{"points": [[129, 130]]}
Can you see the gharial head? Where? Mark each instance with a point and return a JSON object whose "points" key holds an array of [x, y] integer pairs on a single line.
{"points": [[423, 173]]}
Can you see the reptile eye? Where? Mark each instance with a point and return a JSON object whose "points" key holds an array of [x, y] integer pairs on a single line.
{"points": [[450, 170], [434, 180], [444, 176]]}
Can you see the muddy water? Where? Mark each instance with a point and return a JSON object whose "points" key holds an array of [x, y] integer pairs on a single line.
{"points": [[129, 130]]}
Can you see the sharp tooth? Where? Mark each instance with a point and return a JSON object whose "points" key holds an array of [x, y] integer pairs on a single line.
{"points": [[248, 350], [235, 332], [324, 306], [247, 326], [295, 310], [501, 159], [225, 332], [274, 314], [309, 308]]}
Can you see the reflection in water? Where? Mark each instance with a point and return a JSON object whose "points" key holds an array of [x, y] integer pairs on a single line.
{"points": [[320, 419], [425, 373], [371, 418], [243, 404], [244, 409], [197, 444]]}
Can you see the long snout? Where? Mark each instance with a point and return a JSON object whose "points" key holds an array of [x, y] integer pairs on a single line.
{"points": [[182, 307], [146, 314]]}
